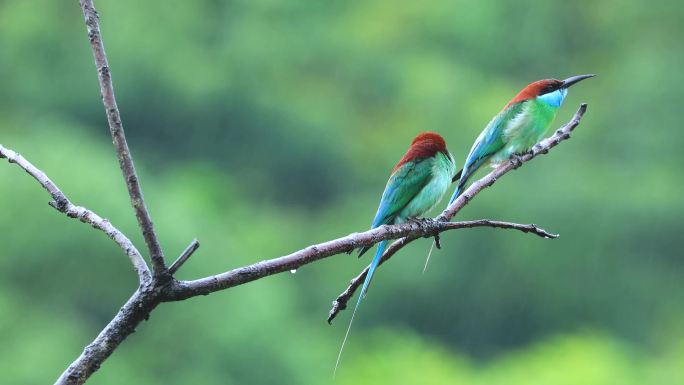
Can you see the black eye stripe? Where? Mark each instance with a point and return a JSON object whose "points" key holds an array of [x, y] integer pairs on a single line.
{"points": [[550, 88]]}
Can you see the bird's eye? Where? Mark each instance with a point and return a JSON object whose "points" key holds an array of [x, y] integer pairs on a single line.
{"points": [[550, 88]]}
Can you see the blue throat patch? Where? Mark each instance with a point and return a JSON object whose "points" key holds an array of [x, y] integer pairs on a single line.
{"points": [[555, 98]]}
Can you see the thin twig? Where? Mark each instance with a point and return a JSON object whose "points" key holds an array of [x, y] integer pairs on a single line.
{"points": [[543, 147], [185, 255], [119, 138], [62, 204]]}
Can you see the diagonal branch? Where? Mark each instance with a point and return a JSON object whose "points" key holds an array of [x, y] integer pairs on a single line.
{"points": [[62, 204], [119, 138], [540, 148], [132, 313], [340, 302], [185, 255], [147, 298], [543, 147], [242, 275]]}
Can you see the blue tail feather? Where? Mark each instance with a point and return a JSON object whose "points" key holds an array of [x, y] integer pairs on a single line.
{"points": [[457, 193], [468, 169], [376, 261]]}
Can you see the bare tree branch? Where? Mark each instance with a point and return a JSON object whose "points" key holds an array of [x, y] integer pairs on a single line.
{"points": [[149, 296], [62, 204], [185, 255], [163, 287], [239, 276], [116, 128], [133, 312], [143, 301], [543, 147], [340, 302]]}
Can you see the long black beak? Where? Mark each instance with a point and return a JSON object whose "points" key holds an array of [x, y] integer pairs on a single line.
{"points": [[575, 79]]}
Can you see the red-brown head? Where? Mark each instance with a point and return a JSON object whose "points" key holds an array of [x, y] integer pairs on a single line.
{"points": [[546, 86], [425, 145]]}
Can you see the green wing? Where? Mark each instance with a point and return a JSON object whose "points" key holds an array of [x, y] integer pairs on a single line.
{"points": [[490, 141], [403, 185]]}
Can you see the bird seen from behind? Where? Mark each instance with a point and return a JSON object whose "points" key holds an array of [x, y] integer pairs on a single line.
{"points": [[416, 185]]}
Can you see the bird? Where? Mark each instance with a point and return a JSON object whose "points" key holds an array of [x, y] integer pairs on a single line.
{"points": [[517, 128], [417, 184]]}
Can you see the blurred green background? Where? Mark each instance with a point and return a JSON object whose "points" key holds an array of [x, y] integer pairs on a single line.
{"points": [[263, 126]]}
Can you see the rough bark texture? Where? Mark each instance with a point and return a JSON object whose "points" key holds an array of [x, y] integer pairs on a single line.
{"points": [[116, 129], [134, 311]]}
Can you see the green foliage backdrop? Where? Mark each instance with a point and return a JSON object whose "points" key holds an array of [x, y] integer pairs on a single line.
{"points": [[262, 126]]}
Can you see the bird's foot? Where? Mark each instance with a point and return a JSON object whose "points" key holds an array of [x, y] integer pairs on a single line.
{"points": [[438, 244], [516, 160], [418, 220], [422, 222]]}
